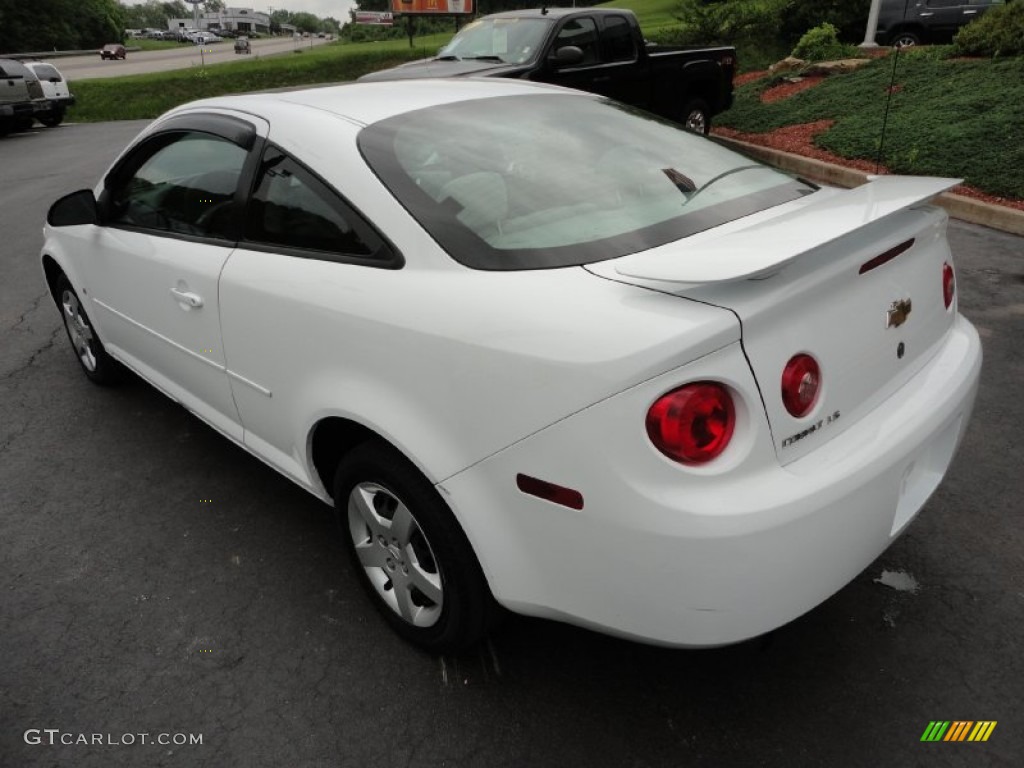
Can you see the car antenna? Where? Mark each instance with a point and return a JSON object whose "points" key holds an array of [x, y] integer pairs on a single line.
{"points": [[544, 9], [888, 98], [888, 102]]}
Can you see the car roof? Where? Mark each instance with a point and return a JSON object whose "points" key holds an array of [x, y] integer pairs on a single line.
{"points": [[547, 13], [366, 103]]}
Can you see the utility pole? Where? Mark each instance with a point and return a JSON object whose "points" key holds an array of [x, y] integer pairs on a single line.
{"points": [[872, 28]]}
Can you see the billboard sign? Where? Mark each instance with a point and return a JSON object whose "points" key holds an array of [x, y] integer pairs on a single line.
{"points": [[438, 7], [382, 18]]}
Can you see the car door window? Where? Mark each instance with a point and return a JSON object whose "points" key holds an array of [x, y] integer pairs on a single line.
{"points": [[617, 40], [186, 186], [291, 208], [582, 33]]}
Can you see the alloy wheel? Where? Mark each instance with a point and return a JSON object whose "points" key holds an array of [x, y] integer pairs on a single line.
{"points": [[79, 329], [395, 554]]}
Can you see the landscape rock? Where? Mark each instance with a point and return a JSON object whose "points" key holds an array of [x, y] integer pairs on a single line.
{"points": [[838, 67], [788, 64]]}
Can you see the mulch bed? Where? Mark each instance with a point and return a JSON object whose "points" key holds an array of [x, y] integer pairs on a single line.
{"points": [[799, 140], [785, 90], [749, 77]]}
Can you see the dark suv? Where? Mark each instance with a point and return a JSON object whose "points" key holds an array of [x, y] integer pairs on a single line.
{"points": [[909, 22]]}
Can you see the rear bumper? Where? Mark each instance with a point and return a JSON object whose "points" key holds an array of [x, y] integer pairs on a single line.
{"points": [[682, 557], [22, 109], [58, 104]]}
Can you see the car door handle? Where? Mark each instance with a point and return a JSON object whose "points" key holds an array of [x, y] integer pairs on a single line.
{"points": [[187, 297], [603, 79], [971, 12], [922, 14]]}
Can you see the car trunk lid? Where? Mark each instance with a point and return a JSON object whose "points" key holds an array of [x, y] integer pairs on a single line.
{"points": [[852, 278]]}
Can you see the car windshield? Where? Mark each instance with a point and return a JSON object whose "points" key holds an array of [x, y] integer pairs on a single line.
{"points": [[510, 40], [554, 179]]}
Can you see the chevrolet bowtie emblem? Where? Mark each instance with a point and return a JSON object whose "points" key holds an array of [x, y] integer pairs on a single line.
{"points": [[898, 313]]}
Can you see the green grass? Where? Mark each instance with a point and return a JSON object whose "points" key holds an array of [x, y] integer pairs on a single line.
{"points": [[147, 96], [652, 14], [152, 45], [948, 118]]}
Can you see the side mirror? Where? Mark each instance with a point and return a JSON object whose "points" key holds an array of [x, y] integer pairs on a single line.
{"points": [[566, 56], [74, 209]]}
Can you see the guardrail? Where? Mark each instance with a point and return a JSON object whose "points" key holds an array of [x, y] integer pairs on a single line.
{"points": [[62, 54]]}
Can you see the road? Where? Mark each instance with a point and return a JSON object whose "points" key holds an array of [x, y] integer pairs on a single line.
{"points": [[182, 57], [156, 579]]}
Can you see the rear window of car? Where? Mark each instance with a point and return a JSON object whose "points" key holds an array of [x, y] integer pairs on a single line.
{"points": [[552, 180], [46, 72]]}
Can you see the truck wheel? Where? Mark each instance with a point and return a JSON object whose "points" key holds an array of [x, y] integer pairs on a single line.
{"points": [[906, 39], [53, 119], [696, 117]]}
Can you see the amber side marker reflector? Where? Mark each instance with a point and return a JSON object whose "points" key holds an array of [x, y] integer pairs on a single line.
{"points": [[567, 497], [882, 258]]}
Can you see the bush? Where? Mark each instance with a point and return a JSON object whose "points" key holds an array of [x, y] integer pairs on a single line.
{"points": [[709, 23], [1000, 32], [822, 44], [849, 17]]}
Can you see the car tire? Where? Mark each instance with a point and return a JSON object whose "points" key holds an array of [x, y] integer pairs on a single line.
{"points": [[696, 117], [905, 39], [98, 366], [53, 119], [409, 551]]}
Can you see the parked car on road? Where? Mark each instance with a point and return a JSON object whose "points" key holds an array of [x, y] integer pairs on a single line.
{"points": [[113, 51], [534, 346], [21, 97], [911, 22], [242, 45], [600, 50], [55, 89]]}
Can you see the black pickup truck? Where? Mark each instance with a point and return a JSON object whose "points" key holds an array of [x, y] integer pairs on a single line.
{"points": [[599, 50]]}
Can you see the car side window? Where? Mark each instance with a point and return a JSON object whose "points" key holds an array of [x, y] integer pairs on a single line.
{"points": [[617, 39], [186, 186], [582, 33], [945, 3], [294, 209]]}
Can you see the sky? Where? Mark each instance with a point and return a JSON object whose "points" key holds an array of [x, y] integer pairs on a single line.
{"points": [[322, 8]]}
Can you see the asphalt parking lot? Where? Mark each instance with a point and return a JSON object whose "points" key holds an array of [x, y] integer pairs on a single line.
{"points": [[155, 579]]}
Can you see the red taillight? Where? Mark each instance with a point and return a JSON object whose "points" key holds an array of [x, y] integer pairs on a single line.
{"points": [[948, 284], [801, 380], [692, 424]]}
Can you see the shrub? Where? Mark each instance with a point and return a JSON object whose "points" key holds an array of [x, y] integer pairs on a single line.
{"points": [[821, 44], [706, 23], [1000, 32], [849, 17]]}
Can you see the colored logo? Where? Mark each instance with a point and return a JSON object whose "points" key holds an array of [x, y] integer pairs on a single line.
{"points": [[958, 730]]}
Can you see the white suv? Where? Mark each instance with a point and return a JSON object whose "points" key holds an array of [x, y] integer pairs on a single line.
{"points": [[56, 91]]}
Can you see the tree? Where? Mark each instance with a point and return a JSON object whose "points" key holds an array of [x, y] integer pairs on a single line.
{"points": [[47, 25], [305, 22]]}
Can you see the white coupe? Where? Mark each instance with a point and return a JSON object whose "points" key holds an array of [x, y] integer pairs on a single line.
{"points": [[539, 350]]}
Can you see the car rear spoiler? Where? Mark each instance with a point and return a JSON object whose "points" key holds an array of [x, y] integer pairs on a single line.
{"points": [[765, 246]]}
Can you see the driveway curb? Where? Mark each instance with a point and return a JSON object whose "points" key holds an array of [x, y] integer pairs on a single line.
{"points": [[959, 206]]}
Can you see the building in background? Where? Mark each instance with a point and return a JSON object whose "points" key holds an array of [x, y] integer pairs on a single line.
{"points": [[240, 20]]}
